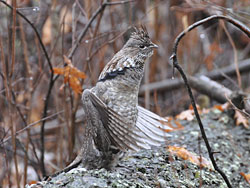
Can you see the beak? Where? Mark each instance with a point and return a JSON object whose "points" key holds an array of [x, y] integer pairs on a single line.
{"points": [[152, 45]]}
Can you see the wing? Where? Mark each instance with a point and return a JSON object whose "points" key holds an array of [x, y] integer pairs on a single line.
{"points": [[152, 125], [147, 132]]}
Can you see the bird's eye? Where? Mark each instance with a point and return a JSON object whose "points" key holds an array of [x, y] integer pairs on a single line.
{"points": [[142, 46]]}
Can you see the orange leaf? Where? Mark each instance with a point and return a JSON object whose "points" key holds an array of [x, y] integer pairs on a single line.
{"points": [[246, 176], [219, 107], [58, 70], [33, 182], [179, 126], [71, 75], [75, 72], [175, 128], [191, 107], [222, 107], [192, 157], [241, 119], [75, 84]]}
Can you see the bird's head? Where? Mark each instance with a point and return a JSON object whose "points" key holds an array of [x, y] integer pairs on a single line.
{"points": [[139, 44], [132, 56]]}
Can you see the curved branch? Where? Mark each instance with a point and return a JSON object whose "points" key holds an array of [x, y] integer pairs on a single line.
{"points": [[236, 23], [173, 57]]}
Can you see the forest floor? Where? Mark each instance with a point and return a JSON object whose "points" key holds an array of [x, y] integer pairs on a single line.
{"points": [[160, 168]]}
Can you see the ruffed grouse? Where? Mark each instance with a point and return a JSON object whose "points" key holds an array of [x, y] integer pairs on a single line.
{"points": [[115, 121]]}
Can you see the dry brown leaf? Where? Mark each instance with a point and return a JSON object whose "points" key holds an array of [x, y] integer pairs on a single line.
{"points": [[176, 128], [186, 115], [246, 176], [189, 114], [71, 76], [241, 119], [179, 126], [192, 157]]}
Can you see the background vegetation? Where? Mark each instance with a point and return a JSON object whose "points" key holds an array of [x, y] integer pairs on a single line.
{"points": [[30, 92]]}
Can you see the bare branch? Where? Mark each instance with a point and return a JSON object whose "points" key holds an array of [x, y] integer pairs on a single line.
{"points": [[176, 65], [84, 31]]}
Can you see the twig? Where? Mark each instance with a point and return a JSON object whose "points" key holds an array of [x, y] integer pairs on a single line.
{"points": [[8, 77], [35, 30], [92, 44], [30, 92], [173, 57], [84, 31], [32, 124], [236, 63], [29, 140], [51, 84], [106, 43], [236, 108], [52, 81], [178, 67], [119, 2], [200, 159], [238, 24]]}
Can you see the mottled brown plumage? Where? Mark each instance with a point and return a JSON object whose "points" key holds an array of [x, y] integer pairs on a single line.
{"points": [[115, 122]]}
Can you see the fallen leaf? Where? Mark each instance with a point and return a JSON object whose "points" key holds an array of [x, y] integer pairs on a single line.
{"points": [[218, 107], [32, 182], [71, 76], [192, 157], [246, 176], [241, 119], [177, 127], [186, 115], [222, 107]]}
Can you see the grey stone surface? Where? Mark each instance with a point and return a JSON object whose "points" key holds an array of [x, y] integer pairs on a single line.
{"points": [[158, 168]]}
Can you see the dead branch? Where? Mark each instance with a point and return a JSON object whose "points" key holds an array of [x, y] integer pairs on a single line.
{"points": [[170, 84], [176, 65], [209, 87]]}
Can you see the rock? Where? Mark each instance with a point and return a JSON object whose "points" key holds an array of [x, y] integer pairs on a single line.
{"points": [[158, 168]]}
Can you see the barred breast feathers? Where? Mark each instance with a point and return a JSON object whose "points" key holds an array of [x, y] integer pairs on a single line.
{"points": [[116, 67]]}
